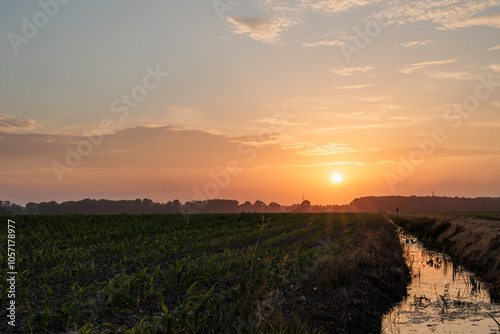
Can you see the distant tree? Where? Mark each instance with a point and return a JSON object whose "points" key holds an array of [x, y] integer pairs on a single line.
{"points": [[147, 206], [3, 208], [274, 207], [220, 206], [16, 209], [259, 206], [48, 207], [176, 204], [305, 206], [247, 206]]}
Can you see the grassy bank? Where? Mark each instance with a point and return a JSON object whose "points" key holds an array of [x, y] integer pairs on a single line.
{"points": [[472, 240], [349, 291], [216, 273]]}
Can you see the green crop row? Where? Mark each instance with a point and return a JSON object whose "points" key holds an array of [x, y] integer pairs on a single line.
{"points": [[161, 273]]}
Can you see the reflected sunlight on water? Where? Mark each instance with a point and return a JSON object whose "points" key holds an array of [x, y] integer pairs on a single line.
{"points": [[442, 298]]}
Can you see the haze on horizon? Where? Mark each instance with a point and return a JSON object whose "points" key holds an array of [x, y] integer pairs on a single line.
{"points": [[266, 100]]}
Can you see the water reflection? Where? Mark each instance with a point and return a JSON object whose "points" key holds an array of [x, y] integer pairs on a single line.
{"points": [[442, 298]]}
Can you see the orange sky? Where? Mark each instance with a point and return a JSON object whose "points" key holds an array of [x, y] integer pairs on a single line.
{"points": [[400, 98]]}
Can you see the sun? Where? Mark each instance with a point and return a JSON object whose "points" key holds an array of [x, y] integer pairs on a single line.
{"points": [[336, 178]]}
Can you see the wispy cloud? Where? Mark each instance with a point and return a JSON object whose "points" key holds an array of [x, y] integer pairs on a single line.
{"points": [[493, 48], [446, 15], [490, 21], [270, 120], [451, 75], [416, 43], [296, 146], [259, 28], [348, 71], [10, 123], [360, 115], [323, 43], [417, 66], [328, 149], [353, 86], [336, 6], [495, 67], [277, 18]]}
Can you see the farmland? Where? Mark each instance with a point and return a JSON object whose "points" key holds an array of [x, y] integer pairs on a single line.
{"points": [[210, 273]]}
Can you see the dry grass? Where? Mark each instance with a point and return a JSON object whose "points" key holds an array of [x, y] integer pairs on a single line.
{"points": [[350, 290]]}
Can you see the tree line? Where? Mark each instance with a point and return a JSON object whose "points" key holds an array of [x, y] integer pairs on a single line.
{"points": [[363, 204]]}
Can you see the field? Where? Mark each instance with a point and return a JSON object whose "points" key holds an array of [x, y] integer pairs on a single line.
{"points": [[211, 273], [471, 239]]}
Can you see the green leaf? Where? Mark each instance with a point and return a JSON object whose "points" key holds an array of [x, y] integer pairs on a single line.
{"points": [[107, 324], [191, 288], [86, 329], [164, 307]]}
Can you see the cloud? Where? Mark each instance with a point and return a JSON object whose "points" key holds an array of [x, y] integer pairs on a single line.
{"points": [[451, 75], [445, 15], [360, 115], [495, 104], [416, 43], [10, 123], [486, 124], [267, 28], [261, 140], [138, 147], [495, 67], [448, 15], [296, 145], [260, 29], [417, 66], [323, 43], [490, 21], [336, 6], [377, 98], [271, 120], [328, 149], [353, 86], [347, 71], [493, 48]]}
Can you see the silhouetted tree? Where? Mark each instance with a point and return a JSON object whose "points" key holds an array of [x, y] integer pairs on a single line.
{"points": [[48, 207], [274, 207], [259, 206], [176, 206], [305, 206], [3, 208], [247, 206], [32, 208]]}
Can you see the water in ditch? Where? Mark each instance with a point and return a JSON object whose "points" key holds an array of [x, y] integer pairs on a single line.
{"points": [[442, 297]]}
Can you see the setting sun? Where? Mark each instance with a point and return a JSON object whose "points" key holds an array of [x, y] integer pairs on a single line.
{"points": [[336, 178]]}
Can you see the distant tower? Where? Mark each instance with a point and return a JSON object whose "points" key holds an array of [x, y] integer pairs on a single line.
{"points": [[303, 197], [433, 193]]}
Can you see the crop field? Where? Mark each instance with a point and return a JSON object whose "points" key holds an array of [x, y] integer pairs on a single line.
{"points": [[212, 273]]}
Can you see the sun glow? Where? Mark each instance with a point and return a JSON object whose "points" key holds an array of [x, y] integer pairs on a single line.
{"points": [[337, 178]]}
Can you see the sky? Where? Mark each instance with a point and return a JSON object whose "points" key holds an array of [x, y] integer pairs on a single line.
{"points": [[249, 99]]}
